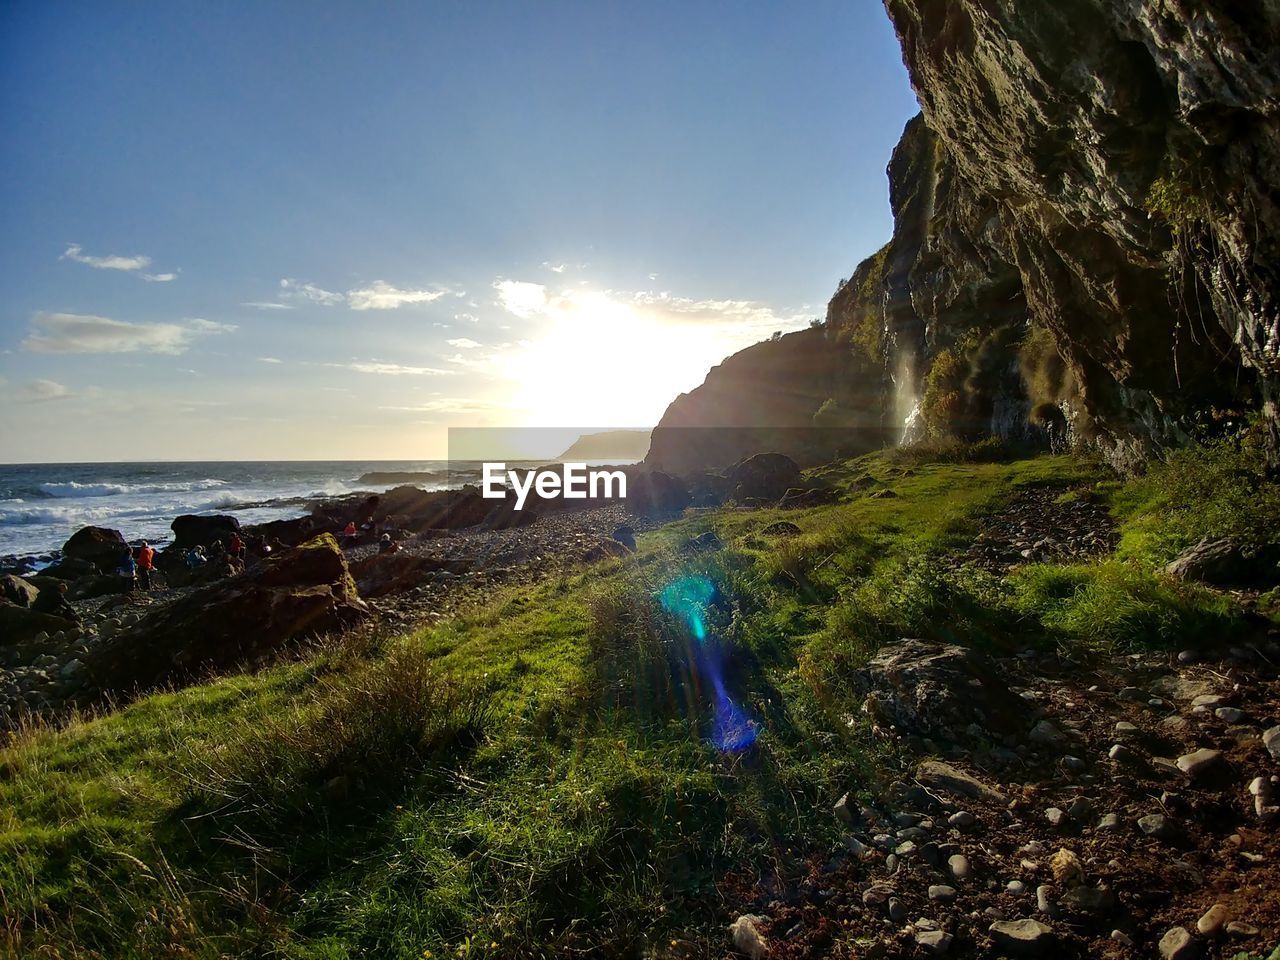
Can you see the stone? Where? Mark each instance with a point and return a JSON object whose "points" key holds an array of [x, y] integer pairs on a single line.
{"points": [[961, 820], [1220, 562], [1122, 754], [877, 895], [1237, 928], [748, 937], [1086, 899], [942, 892], [945, 778], [1057, 818], [845, 811], [1213, 920], [1044, 898], [1178, 944], [958, 864], [1080, 809], [857, 847], [1202, 764], [1024, 938], [1046, 733], [1159, 826], [1229, 714], [191, 530], [1016, 887], [1206, 703], [1122, 938], [297, 594], [18, 591], [937, 690], [1109, 821], [765, 476], [96, 545], [1074, 764], [936, 942], [897, 910], [1126, 730], [1271, 740]]}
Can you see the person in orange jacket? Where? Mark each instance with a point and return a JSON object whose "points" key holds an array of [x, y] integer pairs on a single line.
{"points": [[146, 562]]}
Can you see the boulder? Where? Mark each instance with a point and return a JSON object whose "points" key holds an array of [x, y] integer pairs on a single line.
{"points": [[765, 476], [625, 536], [938, 691], [18, 591], [18, 625], [191, 530], [297, 594], [654, 493], [1219, 562], [97, 545], [798, 498], [70, 568]]}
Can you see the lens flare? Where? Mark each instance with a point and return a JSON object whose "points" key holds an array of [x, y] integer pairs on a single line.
{"points": [[732, 727]]}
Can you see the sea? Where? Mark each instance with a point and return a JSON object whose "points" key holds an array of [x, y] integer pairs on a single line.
{"points": [[43, 504]]}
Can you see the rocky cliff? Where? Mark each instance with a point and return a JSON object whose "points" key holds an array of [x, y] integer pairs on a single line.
{"points": [[1087, 229]]}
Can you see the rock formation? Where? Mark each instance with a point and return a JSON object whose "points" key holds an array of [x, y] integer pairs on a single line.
{"points": [[1086, 242]]}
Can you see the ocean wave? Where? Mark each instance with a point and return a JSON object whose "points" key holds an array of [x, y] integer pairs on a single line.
{"points": [[71, 489]]}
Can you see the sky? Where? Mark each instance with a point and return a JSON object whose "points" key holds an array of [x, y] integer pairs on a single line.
{"points": [[268, 231]]}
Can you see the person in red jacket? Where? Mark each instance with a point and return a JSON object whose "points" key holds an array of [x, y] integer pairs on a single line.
{"points": [[146, 561]]}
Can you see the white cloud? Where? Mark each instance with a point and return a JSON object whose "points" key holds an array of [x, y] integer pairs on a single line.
{"points": [[83, 333], [266, 305], [292, 289], [269, 360], [467, 317], [554, 267], [211, 326], [39, 391], [111, 262], [381, 295], [521, 298], [447, 405], [463, 343], [159, 277], [391, 369]]}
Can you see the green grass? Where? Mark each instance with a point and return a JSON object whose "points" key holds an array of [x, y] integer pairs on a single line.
{"points": [[536, 778]]}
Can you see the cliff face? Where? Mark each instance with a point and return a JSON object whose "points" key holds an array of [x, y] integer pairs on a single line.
{"points": [[1087, 230]]}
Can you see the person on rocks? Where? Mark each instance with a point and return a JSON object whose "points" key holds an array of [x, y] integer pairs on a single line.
{"points": [[128, 569], [387, 545], [350, 530], [54, 602], [146, 563], [196, 557], [236, 547]]}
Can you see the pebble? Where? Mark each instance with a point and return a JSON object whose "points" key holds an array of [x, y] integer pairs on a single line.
{"points": [[1188, 656], [1157, 825], [1081, 809], [856, 847], [1178, 944], [1109, 821], [1046, 733], [1121, 754], [1043, 903], [891, 863], [844, 810], [1133, 694], [962, 820], [1056, 817], [1239, 929], [936, 942], [1127, 730], [1122, 938], [897, 910], [1271, 740], [1213, 920], [1206, 704], [1016, 887], [1201, 763], [1026, 938], [1074, 764], [959, 866], [1229, 714], [877, 895], [940, 891]]}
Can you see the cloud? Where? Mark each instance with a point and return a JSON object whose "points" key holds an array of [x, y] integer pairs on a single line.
{"points": [[159, 277], [269, 360], [447, 405], [266, 305], [83, 333], [391, 369], [554, 267], [41, 391], [521, 298], [467, 317], [292, 289], [112, 262], [211, 326], [463, 343], [381, 295]]}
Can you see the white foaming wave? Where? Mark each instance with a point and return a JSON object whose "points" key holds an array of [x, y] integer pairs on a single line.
{"points": [[72, 489]]}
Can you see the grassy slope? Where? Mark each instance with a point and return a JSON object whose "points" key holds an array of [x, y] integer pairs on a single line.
{"points": [[536, 777]]}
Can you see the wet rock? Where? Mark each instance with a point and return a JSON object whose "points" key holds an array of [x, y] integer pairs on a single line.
{"points": [[1024, 938]]}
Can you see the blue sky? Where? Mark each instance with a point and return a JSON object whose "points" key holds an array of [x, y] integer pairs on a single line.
{"points": [[278, 230]]}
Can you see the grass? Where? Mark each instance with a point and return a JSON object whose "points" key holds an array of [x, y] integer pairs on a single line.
{"points": [[541, 777]]}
